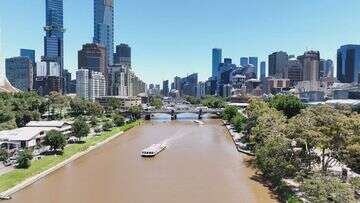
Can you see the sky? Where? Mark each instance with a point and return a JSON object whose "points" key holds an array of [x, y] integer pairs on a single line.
{"points": [[175, 37]]}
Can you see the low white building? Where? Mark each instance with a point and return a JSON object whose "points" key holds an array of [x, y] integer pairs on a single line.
{"points": [[26, 137], [62, 126]]}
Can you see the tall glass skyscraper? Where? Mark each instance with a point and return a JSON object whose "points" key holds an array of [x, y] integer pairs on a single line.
{"points": [[54, 39], [262, 69], [348, 63], [29, 53], [244, 61], [216, 60], [104, 26], [255, 62]]}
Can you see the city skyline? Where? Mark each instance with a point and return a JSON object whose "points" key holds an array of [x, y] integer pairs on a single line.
{"points": [[130, 28]]}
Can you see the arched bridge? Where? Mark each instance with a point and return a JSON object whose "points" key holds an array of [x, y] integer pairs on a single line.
{"points": [[174, 112]]}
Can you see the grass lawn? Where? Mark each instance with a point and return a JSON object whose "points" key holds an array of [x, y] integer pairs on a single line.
{"points": [[16, 176]]}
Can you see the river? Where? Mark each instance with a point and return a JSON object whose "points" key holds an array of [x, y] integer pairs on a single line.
{"points": [[200, 165]]}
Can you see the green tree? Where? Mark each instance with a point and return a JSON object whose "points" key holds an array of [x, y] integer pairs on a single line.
{"points": [[156, 102], [275, 159], [55, 140], [135, 112], [4, 155], [80, 128], [327, 189], [229, 113], [193, 100], [119, 120], [22, 118], [288, 104], [214, 102], [108, 125], [93, 121], [239, 121], [24, 159]]}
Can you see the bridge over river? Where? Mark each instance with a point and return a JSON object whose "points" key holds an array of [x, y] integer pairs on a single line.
{"points": [[175, 112]]}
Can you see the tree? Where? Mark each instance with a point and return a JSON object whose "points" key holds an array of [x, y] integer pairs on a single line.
{"points": [[229, 113], [93, 121], [319, 188], [156, 102], [94, 108], [24, 159], [135, 112], [55, 140], [4, 155], [239, 121], [213, 102], [22, 118], [57, 102], [80, 128], [78, 107], [288, 104], [108, 125], [275, 159], [119, 120], [193, 100]]}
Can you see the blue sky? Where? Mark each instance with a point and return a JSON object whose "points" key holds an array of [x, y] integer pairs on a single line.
{"points": [[175, 37]]}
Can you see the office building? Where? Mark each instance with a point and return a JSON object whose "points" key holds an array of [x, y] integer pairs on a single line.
{"points": [[255, 62], [90, 84], [104, 26], [244, 61], [177, 83], [122, 55], [329, 68], [262, 69], [19, 72], [216, 60], [310, 62], [295, 71], [166, 88], [93, 57], [46, 84], [29, 53], [201, 90], [348, 63], [277, 64]]}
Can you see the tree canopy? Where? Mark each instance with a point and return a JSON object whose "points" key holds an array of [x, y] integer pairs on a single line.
{"points": [[55, 140]]}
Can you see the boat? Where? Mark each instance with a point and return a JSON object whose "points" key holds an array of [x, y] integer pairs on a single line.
{"points": [[2, 197], [198, 122], [153, 150]]}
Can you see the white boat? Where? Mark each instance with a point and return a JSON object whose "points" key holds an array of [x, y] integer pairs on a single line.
{"points": [[199, 122], [153, 150]]}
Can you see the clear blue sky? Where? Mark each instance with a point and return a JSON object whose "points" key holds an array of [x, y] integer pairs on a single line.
{"points": [[175, 37]]}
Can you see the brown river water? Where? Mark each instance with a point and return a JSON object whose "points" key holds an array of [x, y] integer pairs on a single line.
{"points": [[200, 165]]}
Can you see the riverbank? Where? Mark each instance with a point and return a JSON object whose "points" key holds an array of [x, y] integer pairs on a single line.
{"points": [[18, 179]]}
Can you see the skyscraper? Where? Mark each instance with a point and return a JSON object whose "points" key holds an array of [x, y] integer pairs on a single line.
{"points": [[244, 61], [262, 69], [166, 88], [310, 62], [255, 62], [93, 57], [104, 26], [216, 60], [277, 64], [348, 63], [29, 53], [54, 39], [329, 68], [19, 71], [123, 55]]}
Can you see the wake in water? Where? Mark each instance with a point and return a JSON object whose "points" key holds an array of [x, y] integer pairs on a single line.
{"points": [[172, 139]]}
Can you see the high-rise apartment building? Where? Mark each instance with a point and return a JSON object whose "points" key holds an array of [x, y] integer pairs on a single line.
{"points": [[216, 60], [19, 72], [90, 84], [348, 63], [54, 39], [122, 55], [310, 62], [277, 64], [104, 26], [295, 71]]}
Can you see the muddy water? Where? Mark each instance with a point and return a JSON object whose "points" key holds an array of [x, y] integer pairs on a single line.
{"points": [[199, 165]]}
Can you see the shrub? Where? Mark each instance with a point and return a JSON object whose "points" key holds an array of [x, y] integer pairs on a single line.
{"points": [[119, 120], [108, 125], [3, 155], [80, 128], [24, 159]]}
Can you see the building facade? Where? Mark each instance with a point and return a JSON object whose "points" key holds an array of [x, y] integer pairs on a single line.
{"points": [[216, 60], [90, 84], [104, 26], [166, 88], [255, 62], [262, 69], [29, 53], [244, 61], [122, 55], [277, 64], [310, 62], [19, 72], [348, 63], [93, 57]]}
